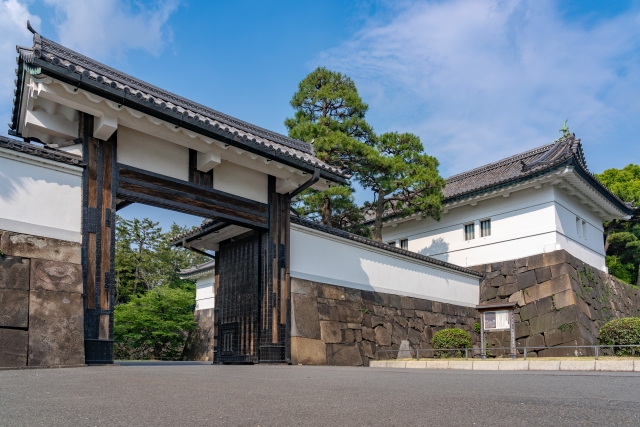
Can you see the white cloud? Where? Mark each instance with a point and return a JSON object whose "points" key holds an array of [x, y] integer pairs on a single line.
{"points": [[13, 31], [108, 28], [483, 79]]}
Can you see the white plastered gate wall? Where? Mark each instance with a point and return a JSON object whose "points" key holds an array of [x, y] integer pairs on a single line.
{"points": [[325, 258], [40, 197]]}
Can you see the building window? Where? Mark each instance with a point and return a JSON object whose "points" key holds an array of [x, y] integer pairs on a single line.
{"points": [[469, 231], [404, 244], [391, 243], [578, 227], [584, 230], [485, 228]]}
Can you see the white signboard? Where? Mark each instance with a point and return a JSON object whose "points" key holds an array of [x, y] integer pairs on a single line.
{"points": [[497, 320]]}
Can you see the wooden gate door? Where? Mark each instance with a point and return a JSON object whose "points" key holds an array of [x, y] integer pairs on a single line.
{"points": [[238, 301]]}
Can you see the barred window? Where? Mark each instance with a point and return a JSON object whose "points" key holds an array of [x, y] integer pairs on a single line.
{"points": [[485, 228], [391, 243], [404, 244], [584, 230], [579, 227], [469, 232]]}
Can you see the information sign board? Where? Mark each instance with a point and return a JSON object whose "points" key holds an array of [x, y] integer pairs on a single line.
{"points": [[497, 320]]}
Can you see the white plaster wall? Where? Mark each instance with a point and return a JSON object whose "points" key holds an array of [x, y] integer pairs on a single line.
{"points": [[40, 197], [521, 225], [528, 222], [241, 181], [337, 261], [205, 297], [157, 155]]}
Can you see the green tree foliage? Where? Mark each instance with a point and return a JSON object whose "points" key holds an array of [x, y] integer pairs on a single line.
{"points": [[154, 324], [451, 338], [335, 207], [403, 178], [145, 258], [621, 332], [330, 114], [622, 238]]}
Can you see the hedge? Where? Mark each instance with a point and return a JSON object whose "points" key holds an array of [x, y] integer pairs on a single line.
{"points": [[452, 338], [624, 331]]}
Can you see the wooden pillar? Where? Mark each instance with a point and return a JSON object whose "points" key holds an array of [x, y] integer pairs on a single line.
{"points": [[98, 242], [275, 289]]}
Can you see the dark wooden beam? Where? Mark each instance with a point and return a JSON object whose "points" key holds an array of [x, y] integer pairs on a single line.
{"points": [[154, 189]]}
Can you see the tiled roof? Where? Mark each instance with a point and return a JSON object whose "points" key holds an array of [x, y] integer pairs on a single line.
{"points": [[512, 168], [45, 153], [522, 166], [201, 230], [567, 149], [379, 245], [198, 269], [189, 111]]}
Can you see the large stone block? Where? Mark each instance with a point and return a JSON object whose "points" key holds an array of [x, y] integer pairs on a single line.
{"points": [[496, 282], [306, 351], [56, 276], [14, 273], [543, 274], [14, 308], [522, 330], [399, 334], [330, 332], [14, 345], [553, 337], [526, 280], [560, 269], [368, 334], [327, 312], [545, 305], [347, 312], [368, 349], [306, 287], [556, 257], [56, 329], [508, 268], [535, 342], [548, 288], [555, 319], [433, 319], [407, 303], [488, 293], [343, 355], [422, 304], [306, 322], [414, 336], [27, 246], [507, 290], [383, 336], [331, 292], [535, 262], [528, 311]]}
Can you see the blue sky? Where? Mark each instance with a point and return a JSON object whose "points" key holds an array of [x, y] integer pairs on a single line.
{"points": [[477, 80]]}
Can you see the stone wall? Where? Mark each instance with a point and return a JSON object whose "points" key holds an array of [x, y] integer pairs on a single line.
{"points": [[41, 306], [561, 301], [201, 343], [333, 325]]}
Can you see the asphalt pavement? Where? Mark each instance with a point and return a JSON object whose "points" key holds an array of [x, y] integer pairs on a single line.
{"points": [[188, 394]]}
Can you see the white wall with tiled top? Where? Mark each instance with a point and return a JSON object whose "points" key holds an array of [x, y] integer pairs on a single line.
{"points": [[205, 297], [528, 222]]}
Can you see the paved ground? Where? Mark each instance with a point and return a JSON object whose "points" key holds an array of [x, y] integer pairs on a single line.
{"points": [[169, 394]]}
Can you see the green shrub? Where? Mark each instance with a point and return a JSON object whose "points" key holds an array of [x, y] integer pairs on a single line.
{"points": [[452, 338], [622, 332]]}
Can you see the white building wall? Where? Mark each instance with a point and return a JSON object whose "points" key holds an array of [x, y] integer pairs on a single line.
{"points": [[528, 222], [205, 297], [157, 155], [244, 182], [337, 261], [40, 197]]}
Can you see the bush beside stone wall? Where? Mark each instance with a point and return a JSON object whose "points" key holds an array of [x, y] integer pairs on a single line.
{"points": [[334, 325], [561, 301], [41, 306]]}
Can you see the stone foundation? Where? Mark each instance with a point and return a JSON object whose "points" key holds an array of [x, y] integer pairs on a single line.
{"points": [[41, 306], [561, 301], [334, 325], [201, 343]]}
